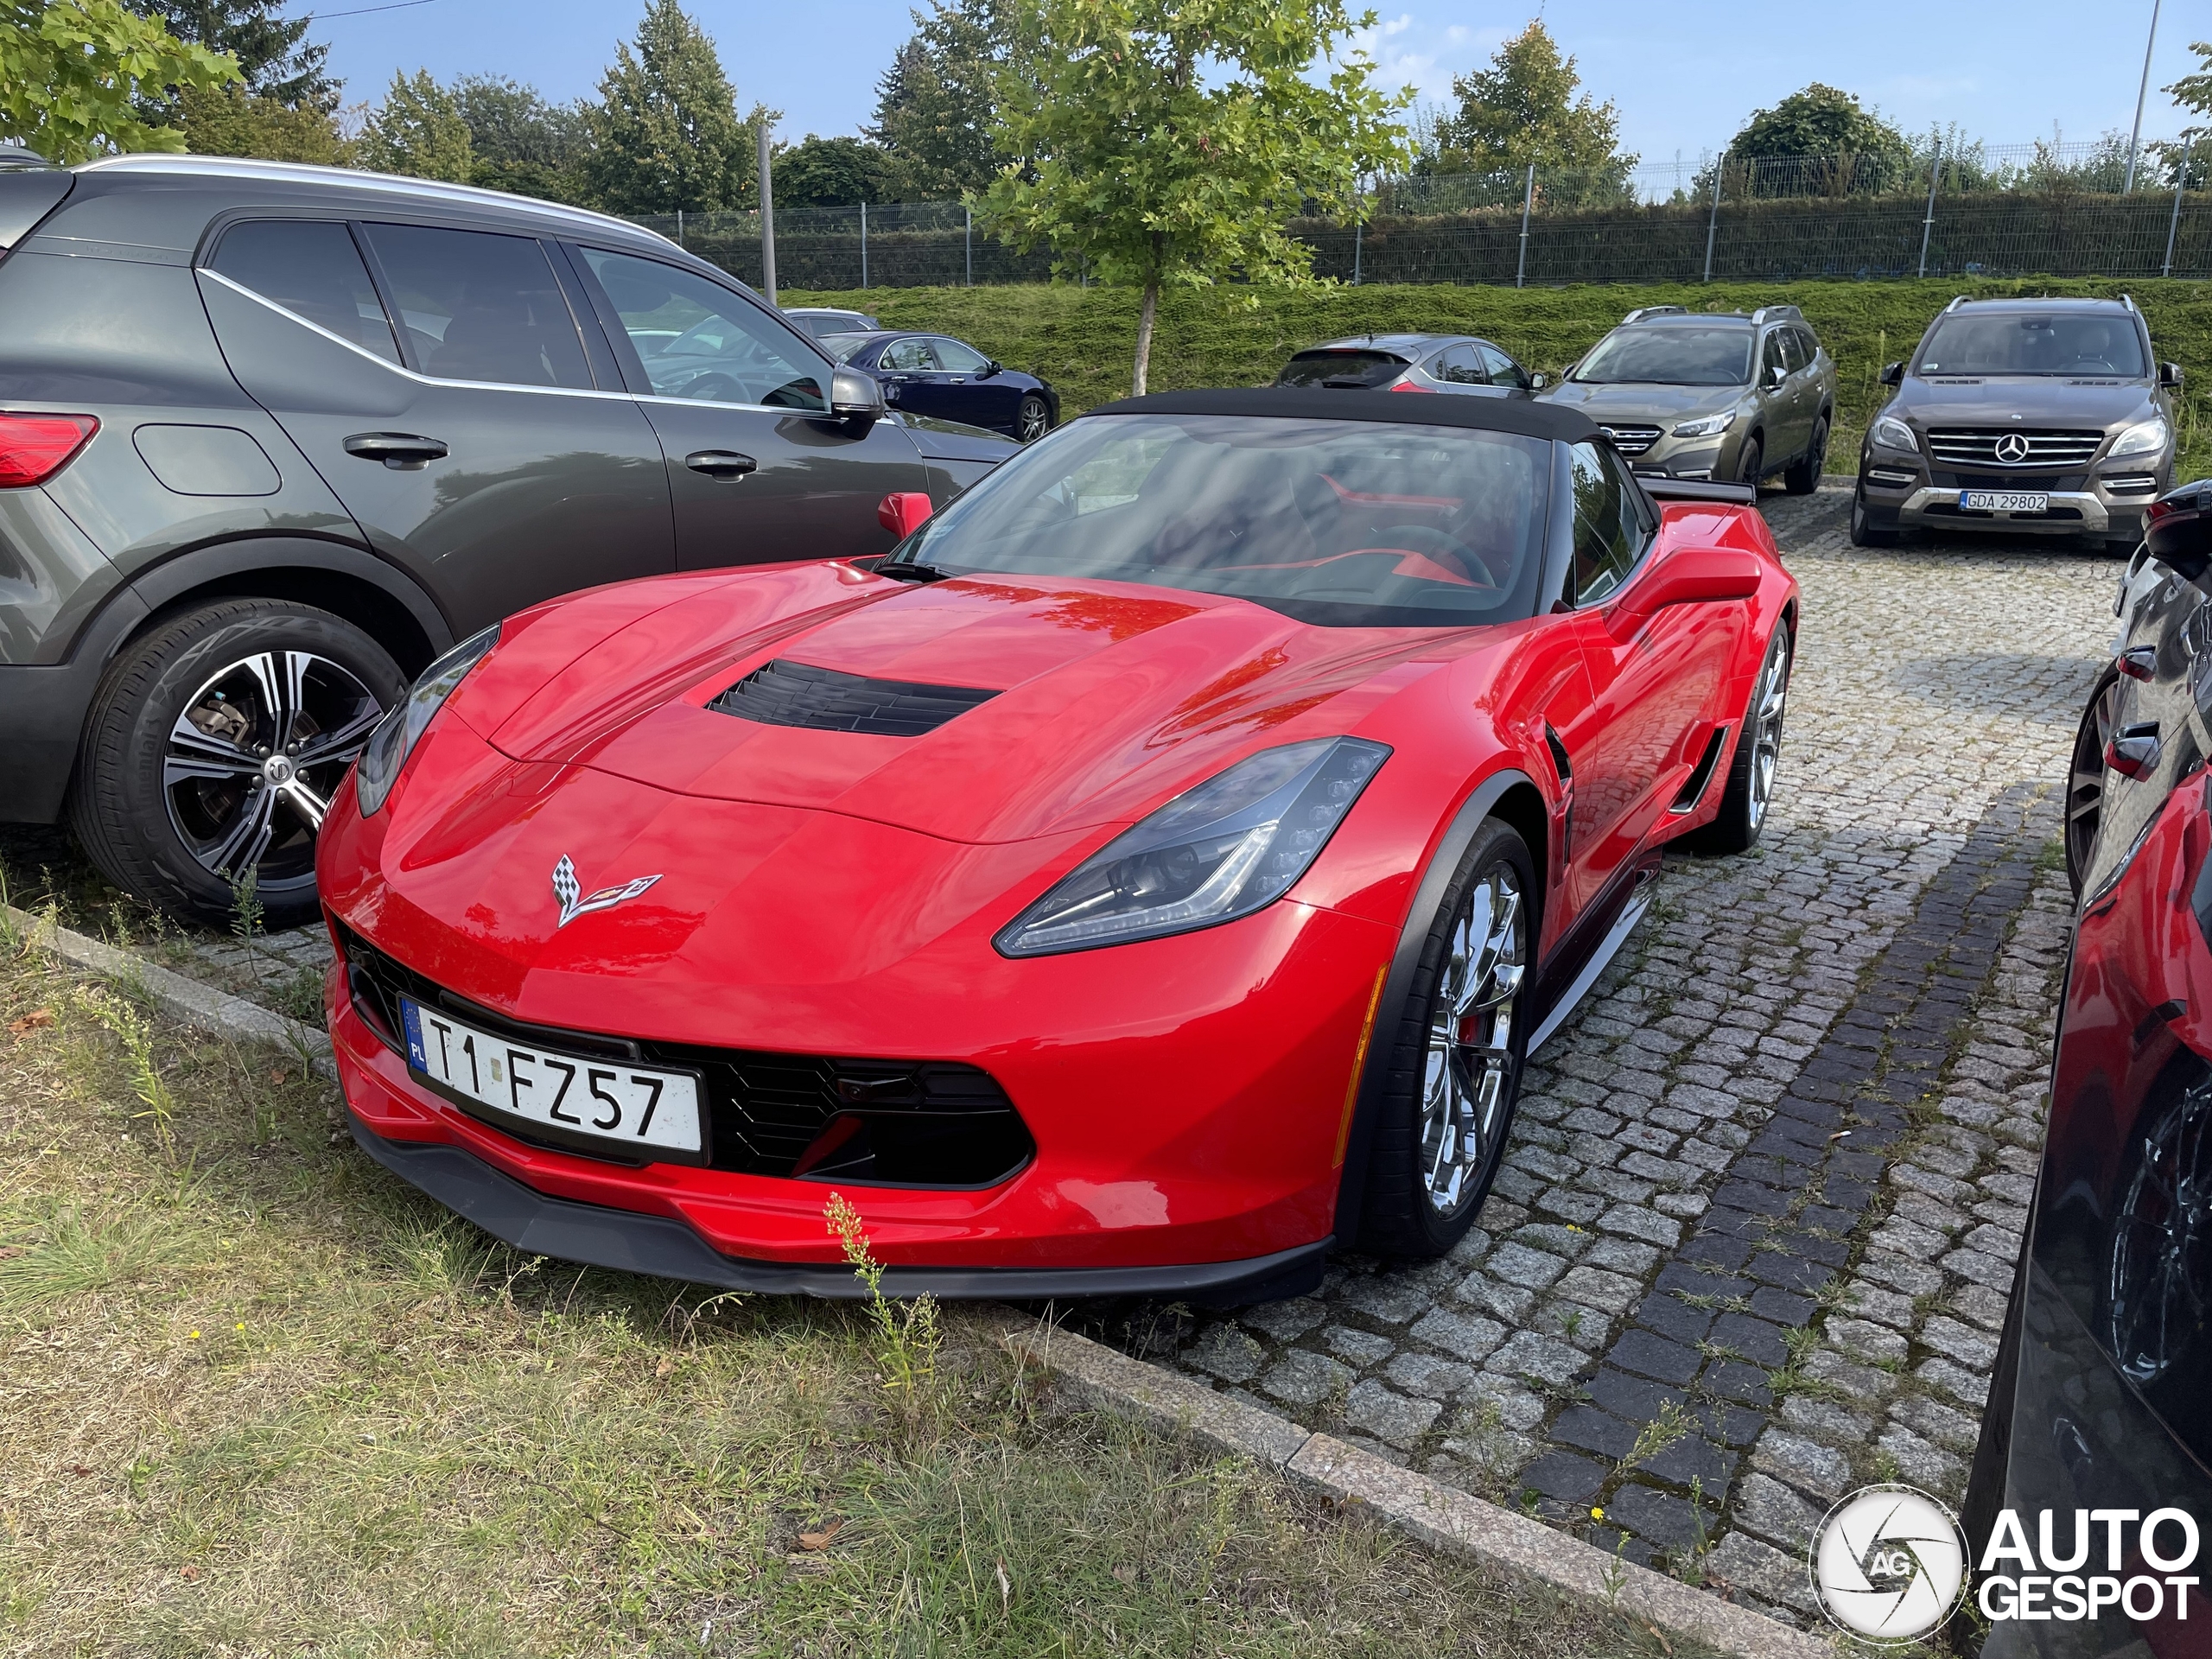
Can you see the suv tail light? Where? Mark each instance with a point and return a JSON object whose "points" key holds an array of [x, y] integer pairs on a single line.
{"points": [[33, 448]]}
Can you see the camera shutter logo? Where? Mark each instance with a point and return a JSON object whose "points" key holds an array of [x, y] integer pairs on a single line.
{"points": [[1889, 1563]]}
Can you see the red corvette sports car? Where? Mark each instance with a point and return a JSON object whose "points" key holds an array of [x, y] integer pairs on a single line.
{"points": [[1154, 871]]}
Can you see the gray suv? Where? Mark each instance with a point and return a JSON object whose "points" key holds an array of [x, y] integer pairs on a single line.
{"points": [[2044, 415], [273, 437], [1711, 394]]}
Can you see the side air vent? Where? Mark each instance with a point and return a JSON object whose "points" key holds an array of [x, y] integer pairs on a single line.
{"points": [[1693, 785], [827, 700]]}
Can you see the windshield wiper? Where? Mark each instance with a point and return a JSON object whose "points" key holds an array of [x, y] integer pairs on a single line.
{"points": [[910, 570]]}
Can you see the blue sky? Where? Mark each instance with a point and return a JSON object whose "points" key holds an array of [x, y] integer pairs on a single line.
{"points": [[1684, 72]]}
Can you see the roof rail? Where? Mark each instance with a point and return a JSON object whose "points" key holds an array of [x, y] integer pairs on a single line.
{"points": [[2127, 300], [1776, 313], [1957, 300], [1643, 311]]}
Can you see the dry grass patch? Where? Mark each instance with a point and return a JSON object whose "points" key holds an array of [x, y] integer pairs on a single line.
{"points": [[258, 1397]]}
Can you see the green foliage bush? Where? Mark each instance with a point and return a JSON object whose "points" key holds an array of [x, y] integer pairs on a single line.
{"points": [[1080, 339]]}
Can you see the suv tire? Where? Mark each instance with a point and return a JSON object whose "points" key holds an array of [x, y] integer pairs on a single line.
{"points": [[183, 786], [1803, 476], [1750, 462], [1461, 962], [1864, 531]]}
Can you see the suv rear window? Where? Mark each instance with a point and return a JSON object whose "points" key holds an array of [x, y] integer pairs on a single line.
{"points": [[2037, 343], [1670, 355], [312, 269], [1341, 369], [479, 306]]}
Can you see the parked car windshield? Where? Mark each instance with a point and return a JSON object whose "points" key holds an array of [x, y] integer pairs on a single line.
{"points": [[1670, 356], [1341, 369], [1341, 522], [2038, 343], [841, 347]]}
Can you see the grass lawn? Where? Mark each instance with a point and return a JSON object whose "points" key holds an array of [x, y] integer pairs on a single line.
{"points": [[258, 1397], [1083, 340]]}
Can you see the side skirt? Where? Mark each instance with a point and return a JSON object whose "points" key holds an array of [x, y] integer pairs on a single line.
{"points": [[1638, 901]]}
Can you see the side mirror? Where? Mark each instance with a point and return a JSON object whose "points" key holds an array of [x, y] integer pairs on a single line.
{"points": [[1538, 382], [1893, 374], [855, 400], [1776, 375], [2179, 530], [2169, 374], [1690, 575], [993, 367], [904, 512]]}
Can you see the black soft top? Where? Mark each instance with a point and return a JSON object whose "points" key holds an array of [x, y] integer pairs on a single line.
{"points": [[1529, 420]]}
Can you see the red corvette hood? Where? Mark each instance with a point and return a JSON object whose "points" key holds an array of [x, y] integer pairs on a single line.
{"points": [[1108, 697]]}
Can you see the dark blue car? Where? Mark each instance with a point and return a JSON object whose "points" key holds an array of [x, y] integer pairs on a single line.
{"points": [[930, 374]]}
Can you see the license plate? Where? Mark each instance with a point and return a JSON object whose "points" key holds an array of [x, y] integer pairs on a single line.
{"points": [[639, 1108], [2005, 500]]}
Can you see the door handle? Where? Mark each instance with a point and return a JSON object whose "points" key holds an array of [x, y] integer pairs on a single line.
{"points": [[404, 452], [726, 465]]}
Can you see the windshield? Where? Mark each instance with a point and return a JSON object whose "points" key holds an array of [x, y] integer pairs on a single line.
{"points": [[1352, 523], [2036, 343], [1671, 355], [1354, 369], [841, 347]]}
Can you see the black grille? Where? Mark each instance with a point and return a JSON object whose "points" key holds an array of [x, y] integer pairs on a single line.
{"points": [[1630, 440], [806, 1117], [2007, 481], [827, 700]]}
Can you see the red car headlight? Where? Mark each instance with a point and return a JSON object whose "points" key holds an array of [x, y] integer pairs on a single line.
{"points": [[396, 735]]}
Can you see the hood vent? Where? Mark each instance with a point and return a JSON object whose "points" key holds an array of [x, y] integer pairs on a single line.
{"points": [[826, 700]]}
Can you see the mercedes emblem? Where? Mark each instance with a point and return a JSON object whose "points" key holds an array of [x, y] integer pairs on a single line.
{"points": [[2011, 448]]}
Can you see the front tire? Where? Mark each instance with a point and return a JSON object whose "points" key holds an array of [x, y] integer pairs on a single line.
{"points": [[213, 746], [1864, 532], [1033, 420], [1749, 790], [2085, 777], [1750, 465], [1803, 476], [1454, 1064]]}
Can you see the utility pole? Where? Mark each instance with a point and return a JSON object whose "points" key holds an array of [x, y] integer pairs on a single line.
{"points": [[767, 221], [2142, 90], [1713, 222], [1529, 200], [1928, 225], [967, 241], [863, 244], [2173, 225]]}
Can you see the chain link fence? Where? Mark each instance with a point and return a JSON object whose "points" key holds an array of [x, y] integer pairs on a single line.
{"points": [[2054, 210]]}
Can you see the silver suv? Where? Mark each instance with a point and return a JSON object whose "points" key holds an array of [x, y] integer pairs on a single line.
{"points": [[2045, 416], [1712, 395]]}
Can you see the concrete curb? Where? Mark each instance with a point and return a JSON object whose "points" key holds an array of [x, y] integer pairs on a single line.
{"points": [[188, 1000], [1439, 1515]]}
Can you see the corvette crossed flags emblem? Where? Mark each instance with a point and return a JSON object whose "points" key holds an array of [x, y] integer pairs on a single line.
{"points": [[569, 892]]}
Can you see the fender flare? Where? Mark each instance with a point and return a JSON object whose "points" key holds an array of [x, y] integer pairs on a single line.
{"points": [[1405, 961], [147, 591]]}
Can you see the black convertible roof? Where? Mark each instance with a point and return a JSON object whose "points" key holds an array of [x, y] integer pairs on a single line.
{"points": [[1531, 420]]}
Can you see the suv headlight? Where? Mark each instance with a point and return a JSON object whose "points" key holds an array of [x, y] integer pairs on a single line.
{"points": [[2143, 438], [1711, 427], [1222, 850], [396, 735], [1893, 434]]}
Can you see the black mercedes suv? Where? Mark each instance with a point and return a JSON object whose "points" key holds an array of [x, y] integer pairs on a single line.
{"points": [[2048, 417], [273, 437]]}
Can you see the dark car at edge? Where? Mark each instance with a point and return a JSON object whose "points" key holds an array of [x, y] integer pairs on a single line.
{"points": [[276, 437], [948, 379]]}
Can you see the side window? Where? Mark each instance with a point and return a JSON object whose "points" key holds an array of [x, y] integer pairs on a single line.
{"points": [[1808, 345], [696, 338], [1504, 370], [480, 306], [1793, 357], [1458, 365], [312, 269], [960, 359], [908, 357], [1772, 364], [1609, 529]]}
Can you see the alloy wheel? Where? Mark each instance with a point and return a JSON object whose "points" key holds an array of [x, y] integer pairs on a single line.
{"points": [[2085, 778], [2161, 1233], [1031, 420], [1467, 1084], [1765, 735], [249, 767]]}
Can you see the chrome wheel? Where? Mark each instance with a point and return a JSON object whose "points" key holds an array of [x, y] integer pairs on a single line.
{"points": [[2085, 778], [2162, 1241], [1468, 1077], [1765, 734], [1032, 420], [249, 767]]}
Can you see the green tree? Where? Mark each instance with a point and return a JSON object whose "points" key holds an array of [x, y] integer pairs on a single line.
{"points": [[518, 142], [231, 121], [275, 60], [1168, 141], [1821, 142], [665, 133], [417, 130], [73, 72], [830, 173], [1523, 110], [2193, 94], [936, 105]]}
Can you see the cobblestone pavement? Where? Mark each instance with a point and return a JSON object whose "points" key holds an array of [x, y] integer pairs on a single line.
{"points": [[1753, 1238]]}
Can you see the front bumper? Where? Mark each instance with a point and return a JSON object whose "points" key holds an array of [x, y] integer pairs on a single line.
{"points": [[2073, 512], [600, 1236]]}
